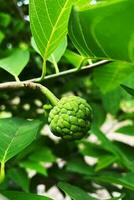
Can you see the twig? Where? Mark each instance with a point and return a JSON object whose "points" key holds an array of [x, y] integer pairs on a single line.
{"points": [[31, 83]]}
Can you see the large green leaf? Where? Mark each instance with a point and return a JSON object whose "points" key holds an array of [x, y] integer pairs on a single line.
{"points": [[16, 134], [15, 62], [13, 195], [109, 76], [75, 192], [49, 21], [104, 30]]}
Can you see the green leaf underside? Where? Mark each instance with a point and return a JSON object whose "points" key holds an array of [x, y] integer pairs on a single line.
{"points": [[49, 20], [15, 63], [75, 192], [16, 134], [104, 30], [13, 195]]}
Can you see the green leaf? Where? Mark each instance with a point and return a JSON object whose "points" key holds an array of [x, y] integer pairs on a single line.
{"points": [[79, 166], [74, 192], [87, 148], [59, 51], [111, 147], [19, 177], [128, 89], [44, 154], [128, 130], [73, 58], [104, 30], [105, 161], [16, 134], [126, 180], [15, 63], [99, 114], [36, 166], [115, 72], [111, 101], [13, 195], [49, 21]]}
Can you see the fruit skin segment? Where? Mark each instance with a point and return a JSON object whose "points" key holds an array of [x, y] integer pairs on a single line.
{"points": [[71, 118]]}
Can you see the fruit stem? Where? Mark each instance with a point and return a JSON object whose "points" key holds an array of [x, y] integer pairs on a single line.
{"points": [[53, 99], [2, 172]]}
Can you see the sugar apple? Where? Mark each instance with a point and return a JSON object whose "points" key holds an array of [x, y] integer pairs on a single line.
{"points": [[70, 118]]}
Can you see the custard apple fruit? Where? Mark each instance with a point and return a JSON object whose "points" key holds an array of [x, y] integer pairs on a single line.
{"points": [[71, 118]]}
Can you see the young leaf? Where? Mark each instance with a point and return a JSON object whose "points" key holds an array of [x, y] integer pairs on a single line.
{"points": [[128, 89], [49, 21], [16, 134], [74, 192], [13, 195], [15, 63], [98, 30]]}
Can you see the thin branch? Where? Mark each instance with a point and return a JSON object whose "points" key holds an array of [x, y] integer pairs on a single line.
{"points": [[31, 83], [71, 71]]}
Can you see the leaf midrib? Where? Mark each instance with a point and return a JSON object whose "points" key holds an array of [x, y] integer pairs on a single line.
{"points": [[53, 30], [8, 147]]}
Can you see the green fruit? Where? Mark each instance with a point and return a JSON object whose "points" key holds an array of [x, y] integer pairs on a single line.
{"points": [[70, 118]]}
